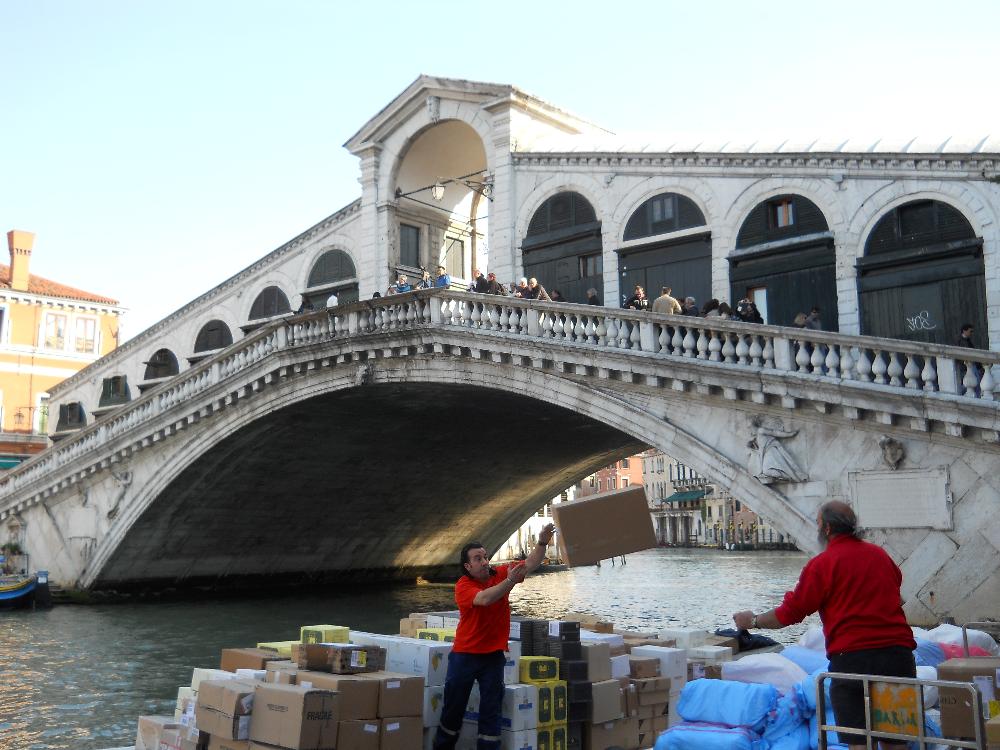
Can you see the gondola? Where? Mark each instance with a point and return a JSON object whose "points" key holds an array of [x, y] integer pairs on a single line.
{"points": [[17, 590]]}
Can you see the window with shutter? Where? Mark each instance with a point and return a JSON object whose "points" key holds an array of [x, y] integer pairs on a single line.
{"points": [[409, 245], [213, 335], [163, 364], [269, 303], [667, 212], [331, 267]]}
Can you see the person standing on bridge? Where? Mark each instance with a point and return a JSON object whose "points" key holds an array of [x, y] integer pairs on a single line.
{"points": [[854, 585], [477, 655]]}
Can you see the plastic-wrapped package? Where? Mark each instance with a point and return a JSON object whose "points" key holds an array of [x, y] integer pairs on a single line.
{"points": [[952, 634], [705, 736], [730, 703], [806, 658], [813, 639], [768, 669]]}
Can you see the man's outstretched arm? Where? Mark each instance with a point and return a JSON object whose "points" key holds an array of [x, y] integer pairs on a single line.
{"points": [[538, 553]]}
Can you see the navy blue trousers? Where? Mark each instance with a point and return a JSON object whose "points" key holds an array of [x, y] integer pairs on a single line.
{"points": [[463, 671]]}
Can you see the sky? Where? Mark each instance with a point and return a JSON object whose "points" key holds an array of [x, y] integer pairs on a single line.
{"points": [[158, 148]]}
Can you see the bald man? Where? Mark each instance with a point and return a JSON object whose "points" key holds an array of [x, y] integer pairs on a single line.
{"points": [[854, 585]]}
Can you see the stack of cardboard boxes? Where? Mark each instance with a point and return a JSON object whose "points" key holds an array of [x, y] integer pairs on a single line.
{"points": [[567, 688]]}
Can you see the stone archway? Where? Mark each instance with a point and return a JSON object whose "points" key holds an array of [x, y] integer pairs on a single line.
{"points": [[442, 189]]}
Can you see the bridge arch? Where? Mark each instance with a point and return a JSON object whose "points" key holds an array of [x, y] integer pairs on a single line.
{"points": [[604, 429]]}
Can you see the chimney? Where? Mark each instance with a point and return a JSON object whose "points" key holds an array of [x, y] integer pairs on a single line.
{"points": [[20, 244]]}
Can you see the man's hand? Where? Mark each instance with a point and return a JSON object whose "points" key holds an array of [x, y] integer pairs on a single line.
{"points": [[545, 535], [517, 572], [743, 620]]}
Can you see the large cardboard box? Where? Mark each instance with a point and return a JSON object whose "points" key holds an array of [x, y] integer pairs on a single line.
{"points": [[339, 658], [408, 626], [603, 526], [643, 666], [429, 659], [523, 739], [151, 729], [519, 709], [401, 733], [652, 690], [295, 717], [606, 701], [673, 662], [358, 735], [993, 731], [957, 708], [398, 694], [282, 648], [598, 658], [224, 708], [246, 658], [358, 696], [283, 672], [433, 703], [620, 733]]}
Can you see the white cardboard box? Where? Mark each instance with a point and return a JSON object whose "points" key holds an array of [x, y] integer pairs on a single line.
{"points": [[714, 654], [673, 662], [510, 670], [620, 666], [684, 637]]}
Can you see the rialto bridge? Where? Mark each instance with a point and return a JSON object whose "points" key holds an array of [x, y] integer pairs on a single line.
{"points": [[374, 438], [229, 439]]}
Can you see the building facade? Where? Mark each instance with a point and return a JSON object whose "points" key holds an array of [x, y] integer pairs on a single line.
{"points": [[48, 332]]}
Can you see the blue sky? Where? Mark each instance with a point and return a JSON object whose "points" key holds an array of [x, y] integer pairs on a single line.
{"points": [[156, 148]]}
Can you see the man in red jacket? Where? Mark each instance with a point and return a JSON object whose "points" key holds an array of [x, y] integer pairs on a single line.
{"points": [[477, 655], [854, 585]]}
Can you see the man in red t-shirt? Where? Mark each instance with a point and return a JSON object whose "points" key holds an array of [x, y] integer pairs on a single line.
{"points": [[483, 631], [854, 585]]}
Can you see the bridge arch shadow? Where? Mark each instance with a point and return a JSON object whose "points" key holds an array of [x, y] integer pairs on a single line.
{"points": [[382, 472]]}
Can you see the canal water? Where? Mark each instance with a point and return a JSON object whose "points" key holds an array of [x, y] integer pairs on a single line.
{"points": [[77, 677]]}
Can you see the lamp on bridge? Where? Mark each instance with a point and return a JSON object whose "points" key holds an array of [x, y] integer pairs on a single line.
{"points": [[437, 191]]}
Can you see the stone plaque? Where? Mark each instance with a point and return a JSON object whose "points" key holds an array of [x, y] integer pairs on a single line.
{"points": [[909, 499]]}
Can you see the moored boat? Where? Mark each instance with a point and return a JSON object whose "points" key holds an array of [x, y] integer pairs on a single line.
{"points": [[17, 590]]}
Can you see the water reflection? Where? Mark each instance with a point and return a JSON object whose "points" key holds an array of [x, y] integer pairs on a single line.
{"points": [[77, 677]]}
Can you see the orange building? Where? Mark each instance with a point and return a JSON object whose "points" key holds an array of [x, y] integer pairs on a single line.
{"points": [[620, 474], [48, 331]]}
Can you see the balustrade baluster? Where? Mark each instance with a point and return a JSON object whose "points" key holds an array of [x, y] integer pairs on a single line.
{"points": [[971, 379], [864, 366], [912, 372], [728, 348], [802, 355], [590, 330], [664, 338], [987, 385], [714, 347], [832, 361], [742, 350], [557, 325], [601, 331], [768, 352], [879, 368], [580, 330], [702, 344], [756, 350], [476, 317], [623, 333], [504, 320], [689, 343], [817, 360], [677, 342]]}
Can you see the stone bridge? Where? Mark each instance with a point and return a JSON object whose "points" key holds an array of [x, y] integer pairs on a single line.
{"points": [[374, 439]]}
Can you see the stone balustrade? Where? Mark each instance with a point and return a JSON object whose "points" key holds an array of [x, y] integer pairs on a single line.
{"points": [[894, 365]]}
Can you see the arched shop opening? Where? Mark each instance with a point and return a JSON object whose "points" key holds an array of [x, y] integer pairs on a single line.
{"points": [[922, 275], [332, 273], [785, 261], [668, 254], [562, 248]]}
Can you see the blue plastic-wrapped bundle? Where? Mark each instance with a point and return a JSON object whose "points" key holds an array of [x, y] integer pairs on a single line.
{"points": [[706, 736], [928, 653], [790, 714], [733, 704], [797, 739]]}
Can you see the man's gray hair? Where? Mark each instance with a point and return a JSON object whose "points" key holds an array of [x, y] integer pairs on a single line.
{"points": [[841, 519]]}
